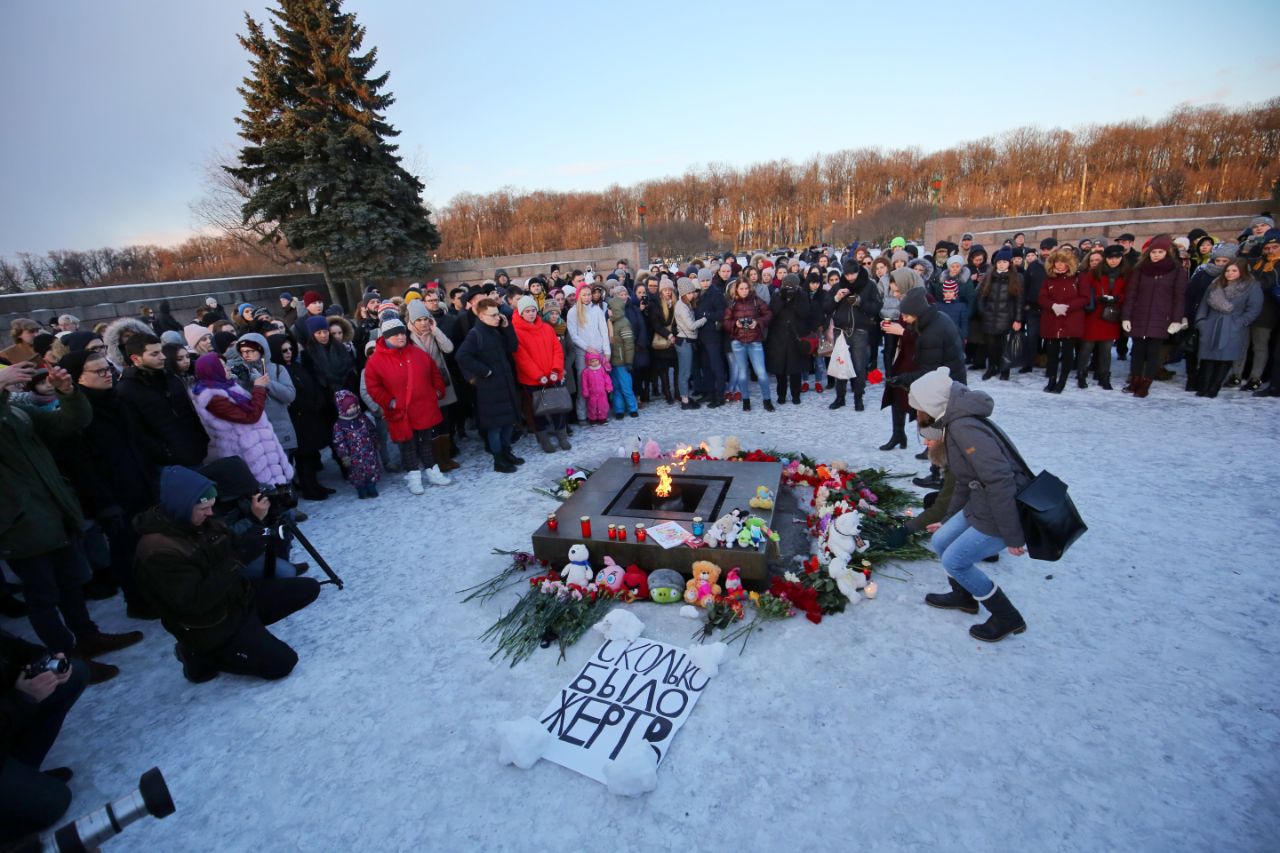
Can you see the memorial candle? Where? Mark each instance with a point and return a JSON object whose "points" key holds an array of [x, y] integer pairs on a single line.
{"points": [[552, 524], [586, 526], [640, 534]]}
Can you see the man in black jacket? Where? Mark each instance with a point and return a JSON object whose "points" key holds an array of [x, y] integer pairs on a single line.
{"points": [[1032, 278], [190, 564], [168, 428], [938, 342], [854, 308], [31, 713], [711, 305]]}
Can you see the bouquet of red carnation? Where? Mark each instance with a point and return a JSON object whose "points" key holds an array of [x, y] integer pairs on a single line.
{"points": [[802, 598]]}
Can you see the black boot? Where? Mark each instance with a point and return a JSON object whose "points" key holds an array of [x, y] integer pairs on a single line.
{"points": [[842, 386], [933, 481], [895, 441], [502, 466], [511, 458], [1104, 382], [958, 599], [1005, 619], [992, 370], [857, 402]]}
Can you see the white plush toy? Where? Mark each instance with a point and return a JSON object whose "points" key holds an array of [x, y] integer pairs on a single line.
{"points": [[725, 531], [843, 541], [578, 570], [714, 445]]}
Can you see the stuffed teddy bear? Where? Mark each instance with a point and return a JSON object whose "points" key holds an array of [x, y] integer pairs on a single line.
{"points": [[732, 447], [725, 531], [714, 446], [843, 541], [610, 576], [578, 570], [702, 588]]}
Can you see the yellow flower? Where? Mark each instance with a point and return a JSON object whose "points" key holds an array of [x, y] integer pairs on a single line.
{"points": [[755, 597]]}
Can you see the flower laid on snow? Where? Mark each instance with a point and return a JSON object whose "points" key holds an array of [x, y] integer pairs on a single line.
{"points": [[791, 577]]}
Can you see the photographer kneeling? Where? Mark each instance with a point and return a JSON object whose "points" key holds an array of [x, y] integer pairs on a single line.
{"points": [[39, 690], [191, 565]]}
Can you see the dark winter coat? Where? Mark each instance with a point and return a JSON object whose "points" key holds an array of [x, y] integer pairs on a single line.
{"points": [[752, 308], [639, 320], [1223, 337], [1000, 306], [938, 344], [1102, 289], [1032, 281], [1065, 290], [663, 327], [711, 304], [165, 321], [312, 410], [904, 361], [194, 576], [408, 377], [786, 353], [859, 309], [167, 426], [988, 478], [353, 440], [1154, 300], [38, 511], [485, 361], [116, 465]]}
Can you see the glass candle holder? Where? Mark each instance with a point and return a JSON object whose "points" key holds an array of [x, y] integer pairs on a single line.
{"points": [[698, 527], [640, 533], [586, 526], [613, 531], [622, 533], [552, 523], [635, 457]]}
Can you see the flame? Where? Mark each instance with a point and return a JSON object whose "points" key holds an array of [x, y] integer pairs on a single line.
{"points": [[681, 457]]}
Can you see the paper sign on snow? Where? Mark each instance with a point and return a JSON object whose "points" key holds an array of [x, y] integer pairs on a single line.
{"points": [[642, 690]]}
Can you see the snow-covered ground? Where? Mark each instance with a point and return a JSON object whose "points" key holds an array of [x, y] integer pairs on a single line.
{"points": [[1140, 710]]}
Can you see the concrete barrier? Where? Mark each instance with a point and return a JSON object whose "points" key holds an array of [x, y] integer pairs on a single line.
{"points": [[603, 258]]}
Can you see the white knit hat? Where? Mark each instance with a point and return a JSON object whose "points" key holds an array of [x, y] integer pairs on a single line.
{"points": [[931, 392]]}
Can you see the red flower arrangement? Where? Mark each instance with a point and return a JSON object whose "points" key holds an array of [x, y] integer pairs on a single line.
{"points": [[804, 598]]}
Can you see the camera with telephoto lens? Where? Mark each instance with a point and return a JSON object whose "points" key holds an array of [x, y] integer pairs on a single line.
{"points": [[150, 799], [58, 666]]}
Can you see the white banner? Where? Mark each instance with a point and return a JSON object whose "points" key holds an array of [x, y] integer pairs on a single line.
{"points": [[642, 690]]}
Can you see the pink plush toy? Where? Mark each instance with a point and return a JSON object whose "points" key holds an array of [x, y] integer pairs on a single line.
{"points": [[733, 586], [611, 575]]}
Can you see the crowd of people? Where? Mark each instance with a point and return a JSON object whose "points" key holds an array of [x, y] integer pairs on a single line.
{"points": [[157, 458]]}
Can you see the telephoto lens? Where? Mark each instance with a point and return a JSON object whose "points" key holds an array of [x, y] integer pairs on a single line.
{"points": [[151, 797]]}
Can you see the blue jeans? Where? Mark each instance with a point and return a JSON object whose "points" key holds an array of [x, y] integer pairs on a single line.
{"points": [[961, 547], [624, 396], [819, 371], [684, 360], [753, 352], [498, 439]]}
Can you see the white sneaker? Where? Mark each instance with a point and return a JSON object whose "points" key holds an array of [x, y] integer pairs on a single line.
{"points": [[436, 477], [414, 481]]}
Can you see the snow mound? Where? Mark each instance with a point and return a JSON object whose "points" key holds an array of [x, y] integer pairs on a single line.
{"points": [[707, 658], [620, 625], [522, 742], [634, 771], [690, 612]]}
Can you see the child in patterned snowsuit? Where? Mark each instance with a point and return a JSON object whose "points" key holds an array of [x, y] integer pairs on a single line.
{"points": [[595, 387], [355, 445]]}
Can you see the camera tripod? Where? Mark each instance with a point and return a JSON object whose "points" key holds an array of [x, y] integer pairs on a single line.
{"points": [[292, 526]]}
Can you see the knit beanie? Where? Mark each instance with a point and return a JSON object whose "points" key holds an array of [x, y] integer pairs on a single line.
{"points": [[914, 301], [950, 289], [348, 405], [417, 310], [931, 392], [685, 286], [577, 291], [1224, 250], [1160, 242], [791, 280], [897, 242], [392, 326], [665, 283], [172, 337], [76, 341], [706, 274], [525, 302], [955, 259], [311, 296], [222, 341], [180, 489], [243, 305], [263, 313], [1262, 220], [333, 311], [1272, 236], [899, 255], [569, 291], [1005, 253], [316, 324], [73, 362]]}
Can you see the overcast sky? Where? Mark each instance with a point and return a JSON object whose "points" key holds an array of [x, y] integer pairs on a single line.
{"points": [[114, 108]]}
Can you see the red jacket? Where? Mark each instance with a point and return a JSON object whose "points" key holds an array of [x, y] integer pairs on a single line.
{"points": [[1096, 328], [538, 353], [751, 308], [1069, 291], [408, 377]]}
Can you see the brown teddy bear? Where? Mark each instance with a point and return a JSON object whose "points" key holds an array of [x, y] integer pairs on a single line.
{"points": [[702, 587]]}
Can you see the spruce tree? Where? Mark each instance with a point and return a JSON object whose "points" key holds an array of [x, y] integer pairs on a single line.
{"points": [[317, 156]]}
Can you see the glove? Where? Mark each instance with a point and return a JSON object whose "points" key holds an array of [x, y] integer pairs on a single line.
{"points": [[1126, 325], [897, 537], [1106, 298], [1059, 309], [1175, 327]]}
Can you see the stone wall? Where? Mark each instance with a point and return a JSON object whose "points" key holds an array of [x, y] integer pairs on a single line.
{"points": [[99, 304], [603, 258], [1224, 220]]}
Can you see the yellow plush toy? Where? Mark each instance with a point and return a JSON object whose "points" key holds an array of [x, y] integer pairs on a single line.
{"points": [[763, 498], [702, 587]]}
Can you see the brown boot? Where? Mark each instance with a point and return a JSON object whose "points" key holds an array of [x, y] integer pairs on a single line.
{"points": [[1140, 386], [440, 444]]}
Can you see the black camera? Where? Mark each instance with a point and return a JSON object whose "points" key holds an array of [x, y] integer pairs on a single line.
{"points": [[58, 666]]}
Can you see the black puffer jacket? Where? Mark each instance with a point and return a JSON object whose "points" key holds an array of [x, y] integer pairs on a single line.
{"points": [[938, 344], [785, 350], [999, 307], [988, 477], [860, 309], [485, 361], [168, 429]]}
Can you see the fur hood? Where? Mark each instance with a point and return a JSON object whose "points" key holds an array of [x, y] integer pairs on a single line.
{"points": [[112, 334]]}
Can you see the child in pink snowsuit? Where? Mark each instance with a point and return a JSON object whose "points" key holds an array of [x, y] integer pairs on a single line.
{"points": [[596, 386]]}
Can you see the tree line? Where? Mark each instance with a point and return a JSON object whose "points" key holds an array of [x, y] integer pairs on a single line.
{"points": [[1192, 155]]}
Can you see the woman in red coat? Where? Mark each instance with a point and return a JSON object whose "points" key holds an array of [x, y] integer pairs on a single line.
{"points": [[1154, 308], [406, 383], [1062, 301], [1105, 283], [539, 364]]}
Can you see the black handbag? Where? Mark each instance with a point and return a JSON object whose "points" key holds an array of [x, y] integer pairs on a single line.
{"points": [[1014, 342], [1050, 520], [554, 400], [1111, 312]]}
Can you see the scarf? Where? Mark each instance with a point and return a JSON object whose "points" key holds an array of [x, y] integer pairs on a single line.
{"points": [[1159, 267], [212, 375], [1222, 298]]}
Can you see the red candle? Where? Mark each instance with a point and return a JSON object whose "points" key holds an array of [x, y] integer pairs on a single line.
{"points": [[586, 526], [552, 524], [622, 533], [613, 531], [640, 534], [635, 457]]}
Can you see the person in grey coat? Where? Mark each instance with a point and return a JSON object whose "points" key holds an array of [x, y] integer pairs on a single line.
{"points": [[982, 518], [280, 391], [1231, 303]]}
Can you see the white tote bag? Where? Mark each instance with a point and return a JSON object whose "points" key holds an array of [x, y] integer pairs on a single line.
{"points": [[841, 364]]}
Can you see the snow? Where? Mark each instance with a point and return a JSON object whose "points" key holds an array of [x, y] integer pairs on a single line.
{"points": [[708, 657], [521, 742], [1140, 710], [634, 771]]}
